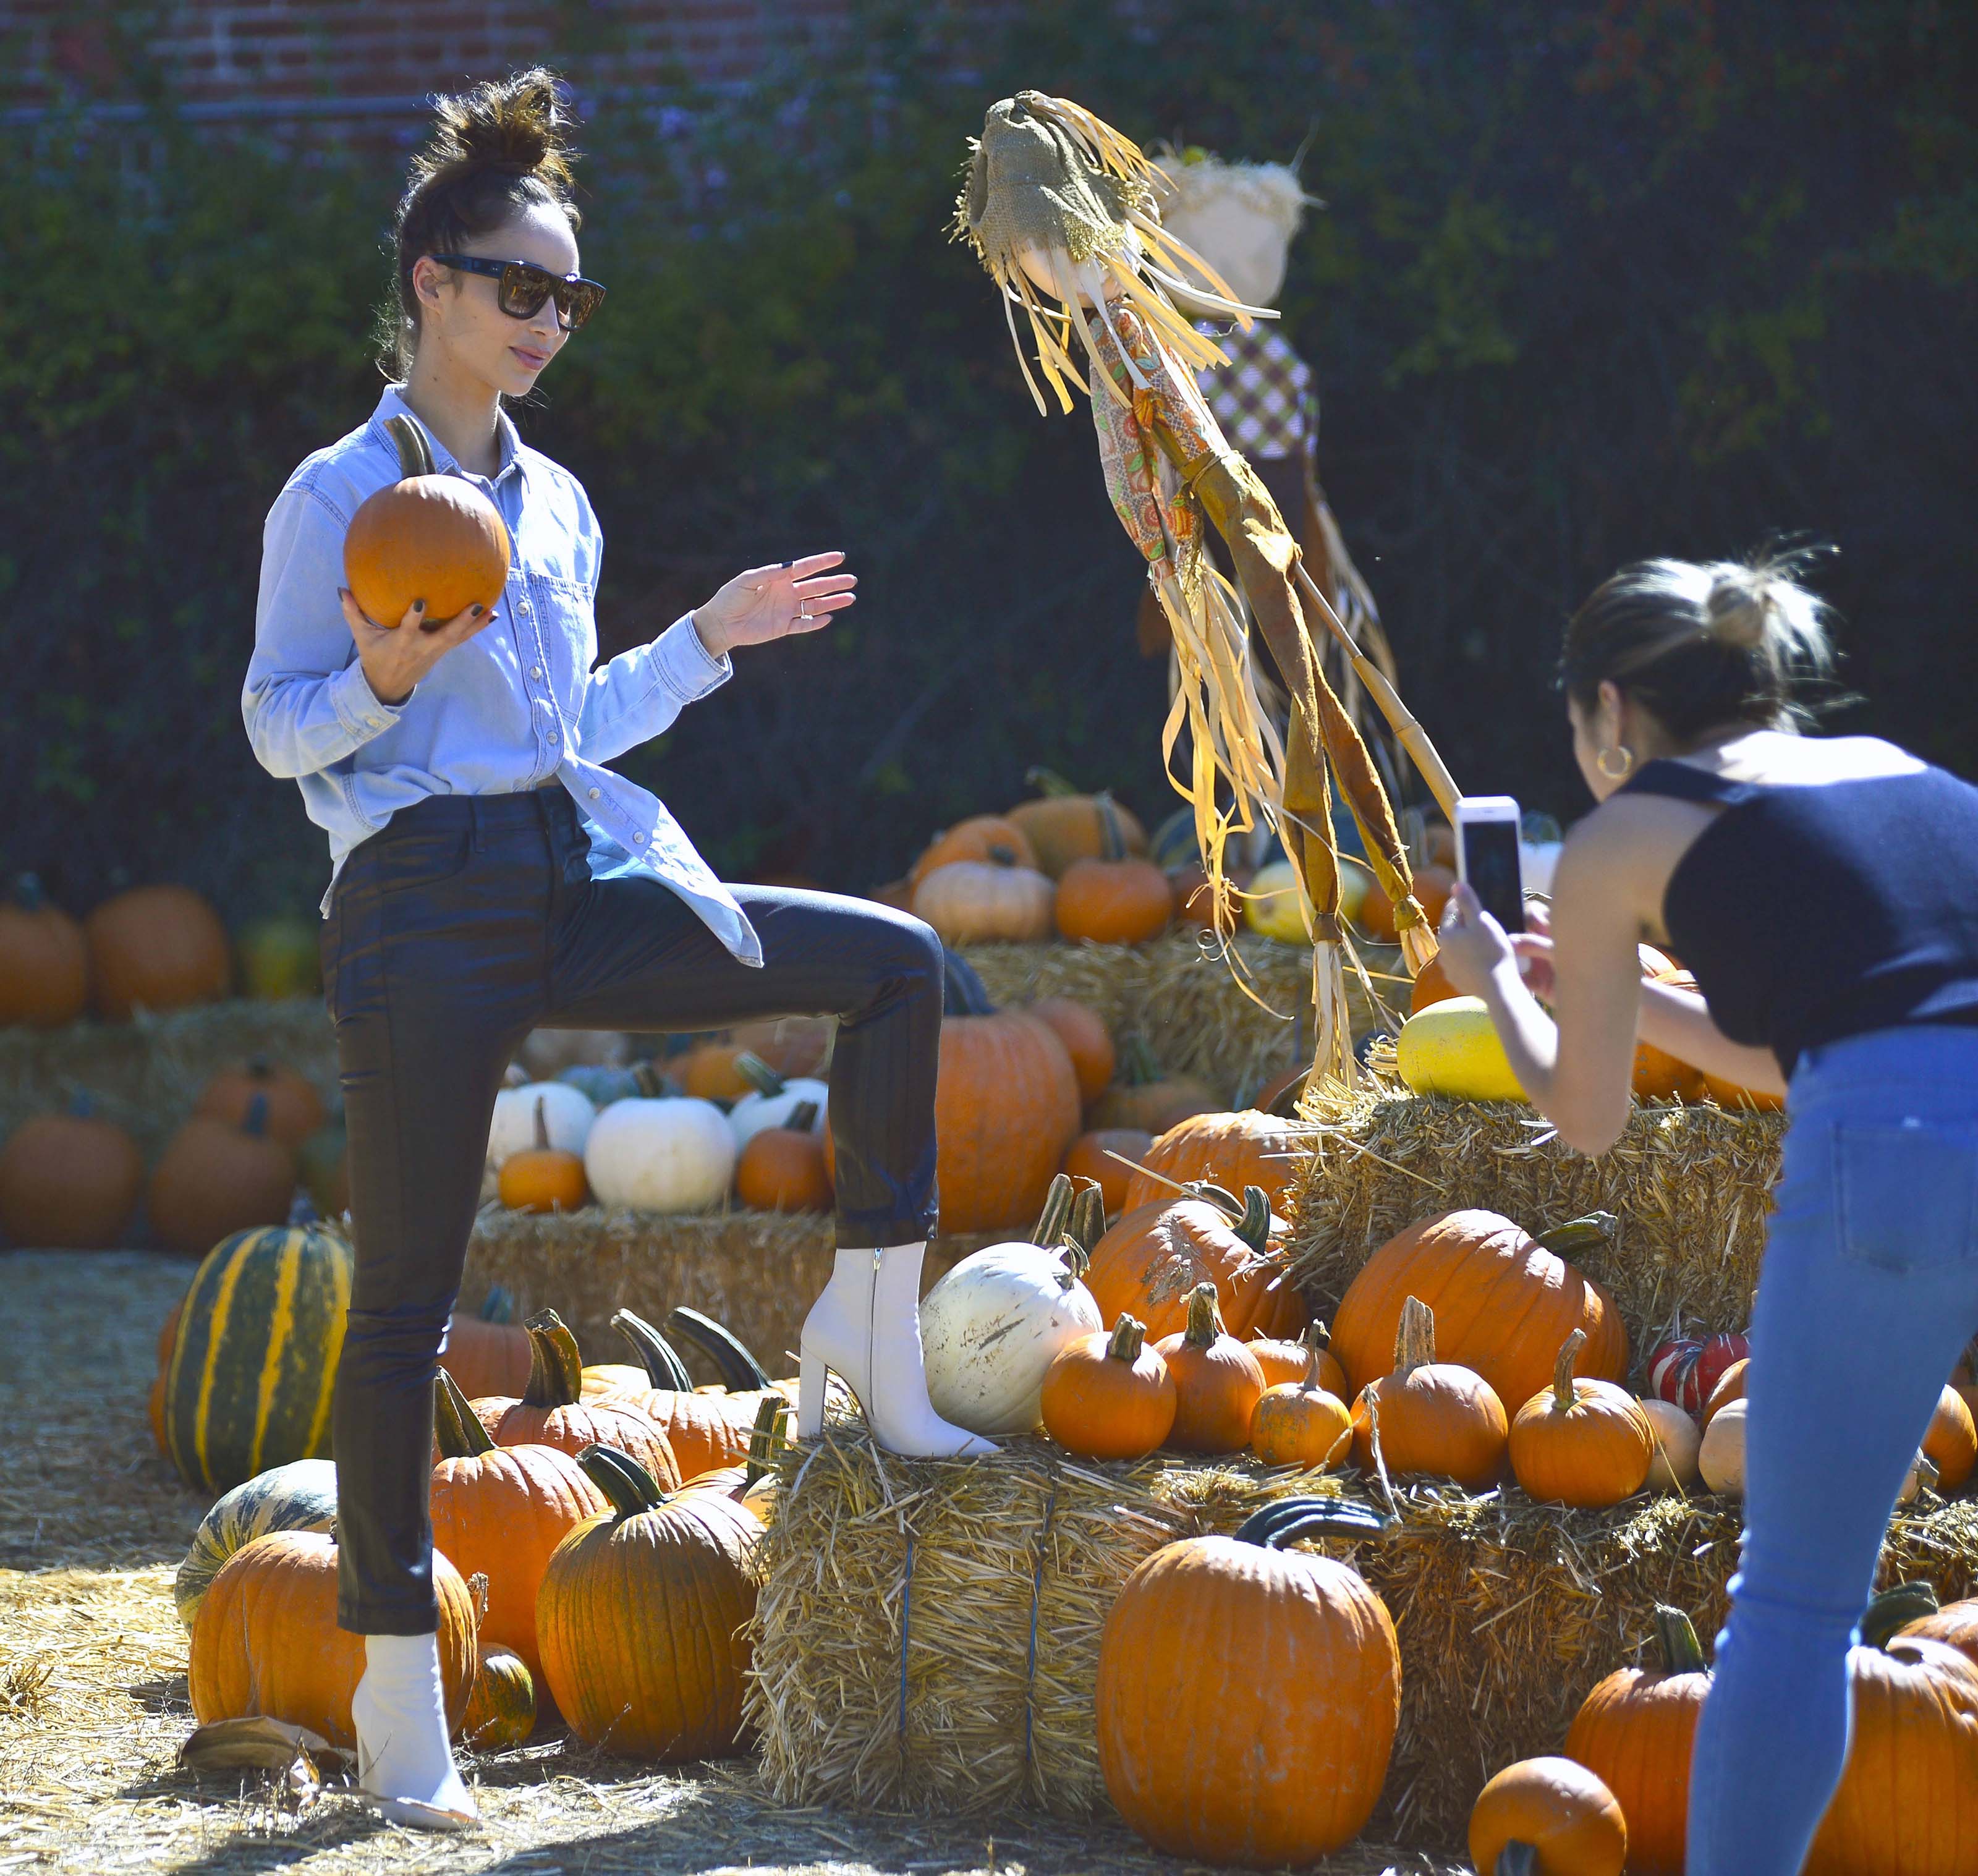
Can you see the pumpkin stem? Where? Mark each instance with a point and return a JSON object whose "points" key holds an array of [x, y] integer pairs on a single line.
{"points": [[302, 1209], [1675, 1637], [499, 1306], [556, 1369], [542, 1127], [1048, 782], [620, 1477], [758, 1074], [1254, 1226], [1286, 1520], [1317, 1342], [1130, 1337], [256, 1120], [1414, 1337], [1056, 1214], [1517, 1859], [1562, 1393], [664, 1367], [1111, 836], [1205, 1319], [1888, 1615], [1137, 1065], [259, 1068], [1225, 1201], [415, 456], [455, 1425], [651, 1080], [1084, 1229], [766, 1440], [803, 1117], [1578, 1235], [741, 1373], [963, 993]]}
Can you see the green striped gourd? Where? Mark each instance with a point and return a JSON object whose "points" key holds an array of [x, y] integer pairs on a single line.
{"points": [[255, 1360], [300, 1496]]}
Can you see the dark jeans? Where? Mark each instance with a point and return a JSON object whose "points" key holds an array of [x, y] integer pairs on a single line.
{"points": [[472, 919]]}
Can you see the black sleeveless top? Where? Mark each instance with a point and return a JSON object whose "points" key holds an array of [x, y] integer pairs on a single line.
{"points": [[1812, 913]]}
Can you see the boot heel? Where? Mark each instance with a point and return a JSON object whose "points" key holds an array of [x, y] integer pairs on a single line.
{"points": [[810, 1394]]}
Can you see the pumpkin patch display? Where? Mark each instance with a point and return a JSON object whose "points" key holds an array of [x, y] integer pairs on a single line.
{"points": [[1086, 1040], [265, 1640], [44, 959], [543, 1178], [672, 1154], [1213, 1752], [1230, 1150], [1096, 1156], [1503, 1301], [1547, 1817], [1581, 1442], [1063, 826], [979, 902], [156, 948], [981, 840], [1452, 1047], [215, 1178], [644, 1617], [502, 1710], [300, 1496], [1216, 1379], [1112, 902], [1436, 1418], [295, 1109], [68, 1182], [784, 1169], [1109, 1397], [1634, 1731], [254, 1356], [425, 537]]}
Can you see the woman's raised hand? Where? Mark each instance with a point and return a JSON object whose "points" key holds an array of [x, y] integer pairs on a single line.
{"points": [[773, 602], [395, 657]]}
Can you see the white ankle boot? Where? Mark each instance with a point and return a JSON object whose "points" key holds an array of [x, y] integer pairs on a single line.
{"points": [[866, 1327], [404, 1764]]}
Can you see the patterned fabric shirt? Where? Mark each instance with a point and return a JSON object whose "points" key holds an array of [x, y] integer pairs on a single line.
{"points": [[1264, 398]]}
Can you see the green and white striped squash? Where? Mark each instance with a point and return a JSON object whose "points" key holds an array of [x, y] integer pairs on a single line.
{"points": [[300, 1496], [259, 1336]]}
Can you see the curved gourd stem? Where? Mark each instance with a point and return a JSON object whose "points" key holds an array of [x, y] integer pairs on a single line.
{"points": [[455, 1425], [1563, 1395], [1220, 1197], [1205, 1319], [803, 1117], [542, 1127], [1578, 1236], [415, 456], [1056, 1214], [1414, 1337], [256, 1120], [758, 1074], [1287, 1519], [1254, 1226], [1675, 1637], [963, 993], [1317, 1342], [664, 1367], [1888, 1615], [556, 1368], [740, 1372], [1517, 1859], [1087, 1225], [1130, 1337], [620, 1477], [765, 1439], [1111, 836]]}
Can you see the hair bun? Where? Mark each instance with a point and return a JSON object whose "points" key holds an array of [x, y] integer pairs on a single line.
{"points": [[1738, 607], [515, 124]]}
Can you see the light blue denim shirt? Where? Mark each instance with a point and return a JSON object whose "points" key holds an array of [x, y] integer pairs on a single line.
{"points": [[516, 706]]}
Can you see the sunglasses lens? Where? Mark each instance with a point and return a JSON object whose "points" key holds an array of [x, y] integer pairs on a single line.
{"points": [[524, 289], [577, 301]]}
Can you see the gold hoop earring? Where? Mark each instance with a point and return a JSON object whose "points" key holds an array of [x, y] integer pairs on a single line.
{"points": [[1627, 767]]}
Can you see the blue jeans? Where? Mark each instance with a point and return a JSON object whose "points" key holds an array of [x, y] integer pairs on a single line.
{"points": [[1869, 1293]]}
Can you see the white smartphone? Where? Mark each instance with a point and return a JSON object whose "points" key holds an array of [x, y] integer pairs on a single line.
{"points": [[1488, 859]]}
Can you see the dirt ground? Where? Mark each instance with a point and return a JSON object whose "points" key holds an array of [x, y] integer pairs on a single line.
{"points": [[93, 1702]]}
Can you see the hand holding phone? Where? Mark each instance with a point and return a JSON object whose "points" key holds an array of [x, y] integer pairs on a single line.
{"points": [[1487, 858]]}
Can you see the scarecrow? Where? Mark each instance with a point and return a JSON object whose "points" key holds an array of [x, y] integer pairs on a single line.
{"points": [[1060, 210]]}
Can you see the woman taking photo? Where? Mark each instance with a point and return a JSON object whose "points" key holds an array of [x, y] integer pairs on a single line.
{"points": [[490, 876], [1824, 894]]}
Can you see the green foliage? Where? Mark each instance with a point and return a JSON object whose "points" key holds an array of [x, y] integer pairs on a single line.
{"points": [[1595, 279]]}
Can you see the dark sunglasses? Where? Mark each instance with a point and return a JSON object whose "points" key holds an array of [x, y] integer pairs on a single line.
{"points": [[524, 286]]}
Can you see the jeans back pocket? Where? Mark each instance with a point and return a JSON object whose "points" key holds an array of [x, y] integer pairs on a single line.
{"points": [[1906, 1191]]}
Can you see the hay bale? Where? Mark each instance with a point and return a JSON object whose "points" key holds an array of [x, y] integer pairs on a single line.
{"points": [[757, 1272], [927, 1638], [1690, 1185]]}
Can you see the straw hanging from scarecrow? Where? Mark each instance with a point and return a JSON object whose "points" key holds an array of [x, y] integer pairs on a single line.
{"points": [[1059, 208]]}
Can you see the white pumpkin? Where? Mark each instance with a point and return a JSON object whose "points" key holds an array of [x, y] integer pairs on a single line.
{"points": [[1721, 1457], [672, 1154], [1673, 1469], [568, 1113], [776, 1098], [991, 1326]]}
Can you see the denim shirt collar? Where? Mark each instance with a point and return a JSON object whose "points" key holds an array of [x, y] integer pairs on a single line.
{"points": [[508, 439]]}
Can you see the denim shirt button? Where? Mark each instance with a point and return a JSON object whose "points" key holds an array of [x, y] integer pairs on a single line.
{"points": [[638, 840], [536, 672], [592, 793]]}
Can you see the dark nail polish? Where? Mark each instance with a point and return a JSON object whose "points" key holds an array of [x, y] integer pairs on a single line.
{"points": [[418, 605]]}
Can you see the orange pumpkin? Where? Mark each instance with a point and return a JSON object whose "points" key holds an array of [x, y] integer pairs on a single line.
{"points": [[1217, 1381], [1310, 1358], [265, 1639], [1954, 1622], [784, 1169], [295, 1109], [1090, 1156], [488, 1351], [425, 537], [543, 1178], [1232, 1150], [1148, 1262], [156, 948], [1065, 826], [1658, 1075], [1634, 1731], [707, 1072], [69, 1182], [1146, 1097], [970, 902], [1432, 1417], [1728, 1094], [706, 1431], [987, 838], [1433, 885], [1555, 1809], [44, 960], [1730, 1387], [500, 1511], [1113, 902], [1086, 1040], [1503, 1301], [214, 1179], [1110, 1397], [1431, 986], [1951, 1445], [1300, 1421], [1582, 1442], [1212, 1751]]}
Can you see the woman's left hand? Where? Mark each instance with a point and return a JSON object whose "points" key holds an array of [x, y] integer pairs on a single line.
{"points": [[1473, 945], [773, 602]]}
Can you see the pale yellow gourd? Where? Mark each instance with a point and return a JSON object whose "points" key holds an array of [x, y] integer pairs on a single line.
{"points": [[1452, 1047]]}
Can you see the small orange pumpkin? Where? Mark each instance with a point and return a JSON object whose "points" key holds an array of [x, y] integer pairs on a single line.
{"points": [[295, 1109], [69, 1182], [544, 1178], [1110, 1397], [1951, 1445], [987, 838], [1216, 1379], [157, 949], [1730, 1387], [44, 960], [1432, 1417], [1557, 1812], [214, 1179], [1113, 902], [1064, 825], [707, 1072], [783, 1169], [1310, 1358], [1584, 1443], [425, 537], [1301, 1422]]}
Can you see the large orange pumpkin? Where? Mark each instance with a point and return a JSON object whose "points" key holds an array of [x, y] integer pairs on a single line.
{"points": [[1147, 1264], [1086, 1040], [156, 948], [1065, 826], [1557, 1811], [68, 1182], [644, 1617], [1503, 1301], [1435, 1418], [44, 960], [1658, 1075], [295, 1109], [214, 1179], [425, 537], [987, 837], [1270, 1753], [265, 1639], [1634, 1731], [1006, 1107], [1245, 1148]]}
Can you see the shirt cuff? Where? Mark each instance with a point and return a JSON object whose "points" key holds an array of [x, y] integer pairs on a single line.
{"points": [[689, 669], [357, 706]]}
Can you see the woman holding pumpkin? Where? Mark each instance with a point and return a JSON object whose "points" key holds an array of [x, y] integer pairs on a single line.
{"points": [[1825, 894], [490, 877]]}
